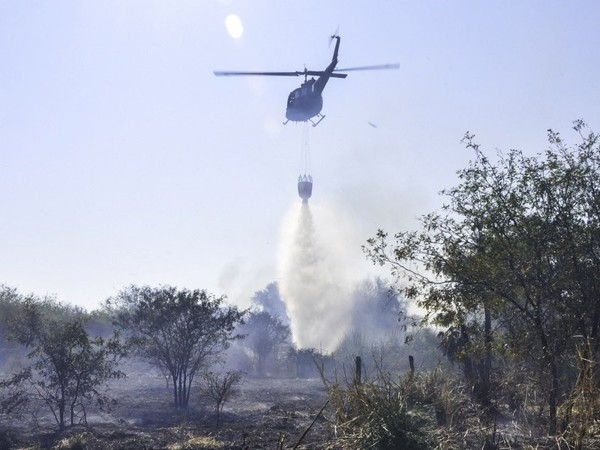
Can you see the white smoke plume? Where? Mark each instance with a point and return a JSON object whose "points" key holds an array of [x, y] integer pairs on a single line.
{"points": [[315, 277]]}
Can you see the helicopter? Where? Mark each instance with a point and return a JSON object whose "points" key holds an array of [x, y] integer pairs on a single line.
{"points": [[306, 102]]}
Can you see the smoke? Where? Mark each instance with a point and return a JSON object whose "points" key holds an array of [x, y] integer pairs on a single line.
{"points": [[315, 273]]}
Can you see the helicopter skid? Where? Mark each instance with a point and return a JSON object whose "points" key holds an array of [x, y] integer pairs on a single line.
{"points": [[314, 124], [321, 117]]}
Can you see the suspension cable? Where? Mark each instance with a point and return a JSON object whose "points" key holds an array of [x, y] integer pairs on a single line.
{"points": [[305, 148]]}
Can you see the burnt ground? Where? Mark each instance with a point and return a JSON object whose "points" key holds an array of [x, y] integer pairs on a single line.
{"points": [[264, 413]]}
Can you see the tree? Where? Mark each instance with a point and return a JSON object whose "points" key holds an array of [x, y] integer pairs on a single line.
{"points": [[10, 303], [220, 387], [377, 309], [179, 331], [69, 368], [264, 333], [516, 246], [270, 301]]}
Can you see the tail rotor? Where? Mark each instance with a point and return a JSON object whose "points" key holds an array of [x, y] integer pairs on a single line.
{"points": [[335, 34]]}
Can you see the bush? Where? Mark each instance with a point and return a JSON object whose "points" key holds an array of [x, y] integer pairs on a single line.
{"points": [[379, 414], [197, 443]]}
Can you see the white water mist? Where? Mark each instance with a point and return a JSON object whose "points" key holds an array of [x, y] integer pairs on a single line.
{"points": [[315, 276]]}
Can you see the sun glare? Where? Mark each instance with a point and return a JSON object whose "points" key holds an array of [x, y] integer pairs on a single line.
{"points": [[234, 26]]}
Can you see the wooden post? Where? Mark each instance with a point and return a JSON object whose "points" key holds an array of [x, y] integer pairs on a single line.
{"points": [[411, 362], [357, 370]]}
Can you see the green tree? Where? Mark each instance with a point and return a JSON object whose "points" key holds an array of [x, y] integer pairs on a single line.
{"points": [[517, 245], [378, 310], [270, 301], [69, 368], [179, 331], [10, 303]]}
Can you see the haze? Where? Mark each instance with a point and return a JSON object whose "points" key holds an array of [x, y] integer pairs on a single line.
{"points": [[123, 159]]}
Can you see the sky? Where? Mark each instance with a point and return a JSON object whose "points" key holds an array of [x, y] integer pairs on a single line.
{"points": [[124, 160]]}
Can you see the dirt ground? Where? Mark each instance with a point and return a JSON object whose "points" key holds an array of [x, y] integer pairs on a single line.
{"points": [[263, 414]]}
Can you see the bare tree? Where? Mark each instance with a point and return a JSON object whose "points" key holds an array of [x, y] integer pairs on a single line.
{"points": [[220, 387]]}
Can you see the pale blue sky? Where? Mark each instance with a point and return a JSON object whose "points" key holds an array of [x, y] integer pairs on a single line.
{"points": [[123, 159]]}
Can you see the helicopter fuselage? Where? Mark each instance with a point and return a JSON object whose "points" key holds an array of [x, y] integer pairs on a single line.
{"points": [[304, 102]]}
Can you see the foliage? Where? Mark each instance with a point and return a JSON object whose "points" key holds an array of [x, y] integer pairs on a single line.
{"points": [[378, 309], [11, 353], [310, 362], [69, 368], [378, 414], [269, 300], [422, 410], [198, 443], [220, 387], [179, 331], [511, 262], [79, 441], [99, 323], [10, 301], [579, 412], [14, 398]]}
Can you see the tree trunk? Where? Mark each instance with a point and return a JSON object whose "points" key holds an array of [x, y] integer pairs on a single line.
{"points": [[61, 415], [487, 358], [553, 399], [184, 392], [188, 389], [261, 364], [175, 379], [549, 359]]}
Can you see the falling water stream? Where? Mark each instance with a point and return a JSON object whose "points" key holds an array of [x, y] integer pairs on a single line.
{"points": [[312, 280]]}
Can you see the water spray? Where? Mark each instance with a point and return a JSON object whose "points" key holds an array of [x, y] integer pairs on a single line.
{"points": [[313, 281]]}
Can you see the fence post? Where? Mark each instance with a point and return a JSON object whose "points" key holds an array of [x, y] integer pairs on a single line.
{"points": [[357, 370]]}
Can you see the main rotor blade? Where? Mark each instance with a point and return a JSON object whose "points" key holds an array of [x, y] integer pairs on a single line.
{"points": [[376, 67], [220, 73], [317, 73]]}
